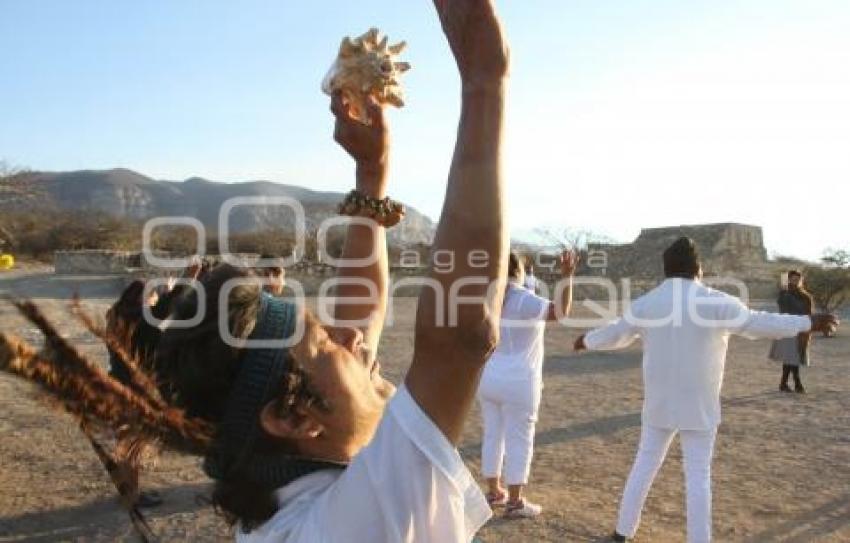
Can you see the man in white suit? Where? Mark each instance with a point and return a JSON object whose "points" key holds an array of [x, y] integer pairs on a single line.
{"points": [[685, 328]]}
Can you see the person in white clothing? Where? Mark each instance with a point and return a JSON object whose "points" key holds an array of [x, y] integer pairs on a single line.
{"points": [[511, 387], [530, 281], [685, 327], [309, 446]]}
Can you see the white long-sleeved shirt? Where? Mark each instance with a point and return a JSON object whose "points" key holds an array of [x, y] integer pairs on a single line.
{"points": [[685, 328]]}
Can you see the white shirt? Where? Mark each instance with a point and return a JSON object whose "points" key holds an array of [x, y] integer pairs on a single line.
{"points": [[519, 354], [409, 484], [685, 328], [530, 282]]}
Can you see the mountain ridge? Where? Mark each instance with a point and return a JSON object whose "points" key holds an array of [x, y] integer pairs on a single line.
{"points": [[125, 193]]}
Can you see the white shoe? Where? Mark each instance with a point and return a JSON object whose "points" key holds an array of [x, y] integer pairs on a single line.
{"points": [[525, 509]]}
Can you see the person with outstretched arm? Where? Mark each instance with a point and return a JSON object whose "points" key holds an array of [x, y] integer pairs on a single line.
{"points": [[512, 385], [685, 327], [312, 444]]}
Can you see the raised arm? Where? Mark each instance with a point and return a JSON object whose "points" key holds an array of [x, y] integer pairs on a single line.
{"points": [[369, 146], [454, 339], [561, 309]]}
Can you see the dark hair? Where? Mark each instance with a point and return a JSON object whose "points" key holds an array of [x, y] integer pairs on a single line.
{"points": [[128, 306], [122, 322], [275, 268], [681, 259], [801, 292], [201, 368], [514, 265], [197, 364]]}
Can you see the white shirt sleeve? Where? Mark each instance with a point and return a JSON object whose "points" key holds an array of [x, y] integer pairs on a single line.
{"points": [[409, 484], [618, 334], [761, 324]]}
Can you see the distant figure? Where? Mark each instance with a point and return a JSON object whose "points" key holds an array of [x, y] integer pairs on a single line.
{"points": [[511, 387], [274, 273], [793, 352], [685, 327], [530, 281]]}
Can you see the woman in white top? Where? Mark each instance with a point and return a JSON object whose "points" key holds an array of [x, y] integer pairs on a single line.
{"points": [[311, 444], [530, 281], [509, 394]]}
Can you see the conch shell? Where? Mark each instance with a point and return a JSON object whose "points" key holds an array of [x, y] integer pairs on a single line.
{"points": [[366, 67]]}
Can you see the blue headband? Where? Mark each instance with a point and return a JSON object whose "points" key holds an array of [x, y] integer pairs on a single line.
{"points": [[258, 380]]}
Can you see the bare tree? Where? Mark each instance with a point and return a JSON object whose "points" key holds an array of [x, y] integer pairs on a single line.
{"points": [[8, 174], [570, 238], [837, 257], [6, 170], [8, 242], [9, 171], [829, 283]]}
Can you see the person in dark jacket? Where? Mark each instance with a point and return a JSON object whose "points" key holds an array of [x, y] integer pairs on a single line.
{"points": [[793, 352]]}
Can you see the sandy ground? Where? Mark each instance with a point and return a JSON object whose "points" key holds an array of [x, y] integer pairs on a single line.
{"points": [[781, 472]]}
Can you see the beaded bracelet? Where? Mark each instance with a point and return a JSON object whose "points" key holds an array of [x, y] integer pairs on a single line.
{"points": [[385, 212]]}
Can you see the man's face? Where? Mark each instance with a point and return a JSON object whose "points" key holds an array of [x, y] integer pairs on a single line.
{"points": [[276, 280], [794, 280], [342, 371]]}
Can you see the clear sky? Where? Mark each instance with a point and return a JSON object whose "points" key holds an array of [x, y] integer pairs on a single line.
{"points": [[623, 113]]}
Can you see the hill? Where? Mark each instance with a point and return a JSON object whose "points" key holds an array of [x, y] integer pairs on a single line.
{"points": [[128, 194]]}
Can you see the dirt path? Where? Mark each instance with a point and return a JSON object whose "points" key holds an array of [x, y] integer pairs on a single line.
{"points": [[781, 473]]}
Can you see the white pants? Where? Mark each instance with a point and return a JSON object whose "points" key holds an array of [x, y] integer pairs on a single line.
{"points": [[509, 414], [697, 450]]}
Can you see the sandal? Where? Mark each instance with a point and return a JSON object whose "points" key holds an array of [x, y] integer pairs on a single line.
{"points": [[497, 500]]}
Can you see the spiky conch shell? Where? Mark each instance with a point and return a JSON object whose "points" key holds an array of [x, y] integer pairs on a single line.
{"points": [[367, 67]]}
